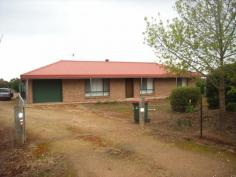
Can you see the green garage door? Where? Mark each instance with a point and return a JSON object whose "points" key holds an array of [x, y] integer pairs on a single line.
{"points": [[48, 90]]}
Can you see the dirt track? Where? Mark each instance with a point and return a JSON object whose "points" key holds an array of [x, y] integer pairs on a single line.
{"points": [[98, 146]]}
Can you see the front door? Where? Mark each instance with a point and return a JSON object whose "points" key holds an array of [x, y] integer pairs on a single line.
{"points": [[129, 87]]}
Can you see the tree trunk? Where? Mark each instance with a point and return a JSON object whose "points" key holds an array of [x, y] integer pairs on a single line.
{"points": [[221, 102]]}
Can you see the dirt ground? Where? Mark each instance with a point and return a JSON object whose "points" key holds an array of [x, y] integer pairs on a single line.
{"points": [[101, 140]]}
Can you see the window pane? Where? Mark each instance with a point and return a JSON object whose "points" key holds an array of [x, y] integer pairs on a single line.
{"points": [[143, 91], [98, 87], [106, 85], [149, 84], [87, 86], [144, 84], [106, 94]]}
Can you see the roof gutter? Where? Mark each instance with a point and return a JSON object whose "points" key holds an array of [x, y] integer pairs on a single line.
{"points": [[25, 77]]}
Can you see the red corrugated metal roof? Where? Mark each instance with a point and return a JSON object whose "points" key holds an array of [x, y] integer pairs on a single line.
{"points": [[67, 69]]}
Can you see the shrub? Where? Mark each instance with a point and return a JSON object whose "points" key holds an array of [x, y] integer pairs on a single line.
{"points": [[180, 98], [189, 108], [231, 95], [230, 89], [231, 107]]}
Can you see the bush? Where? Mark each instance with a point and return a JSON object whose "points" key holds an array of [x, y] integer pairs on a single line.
{"points": [[230, 89], [189, 108], [231, 95], [180, 98], [213, 101], [231, 107]]}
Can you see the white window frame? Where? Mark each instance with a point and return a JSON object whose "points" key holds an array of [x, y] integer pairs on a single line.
{"points": [[96, 87], [148, 88]]}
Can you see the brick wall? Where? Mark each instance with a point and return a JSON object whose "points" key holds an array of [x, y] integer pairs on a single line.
{"points": [[117, 88], [163, 87], [136, 88], [73, 90]]}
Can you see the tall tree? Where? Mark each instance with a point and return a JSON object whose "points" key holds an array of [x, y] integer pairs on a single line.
{"points": [[202, 38]]}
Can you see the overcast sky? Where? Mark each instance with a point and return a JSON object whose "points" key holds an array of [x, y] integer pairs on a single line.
{"points": [[39, 32]]}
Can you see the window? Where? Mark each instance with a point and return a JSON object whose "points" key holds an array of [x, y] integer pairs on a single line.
{"points": [[147, 86], [97, 87], [182, 82]]}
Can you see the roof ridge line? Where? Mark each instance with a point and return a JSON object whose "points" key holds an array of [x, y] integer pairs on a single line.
{"points": [[109, 61]]}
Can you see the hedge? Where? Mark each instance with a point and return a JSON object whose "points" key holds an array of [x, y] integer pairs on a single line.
{"points": [[180, 98]]}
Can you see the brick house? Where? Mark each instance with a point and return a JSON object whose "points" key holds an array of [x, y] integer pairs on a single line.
{"points": [[91, 81]]}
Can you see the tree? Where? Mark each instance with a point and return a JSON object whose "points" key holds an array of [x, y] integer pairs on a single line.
{"points": [[202, 38], [14, 84], [3, 83]]}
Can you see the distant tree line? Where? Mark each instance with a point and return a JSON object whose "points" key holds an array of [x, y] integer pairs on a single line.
{"points": [[13, 84]]}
